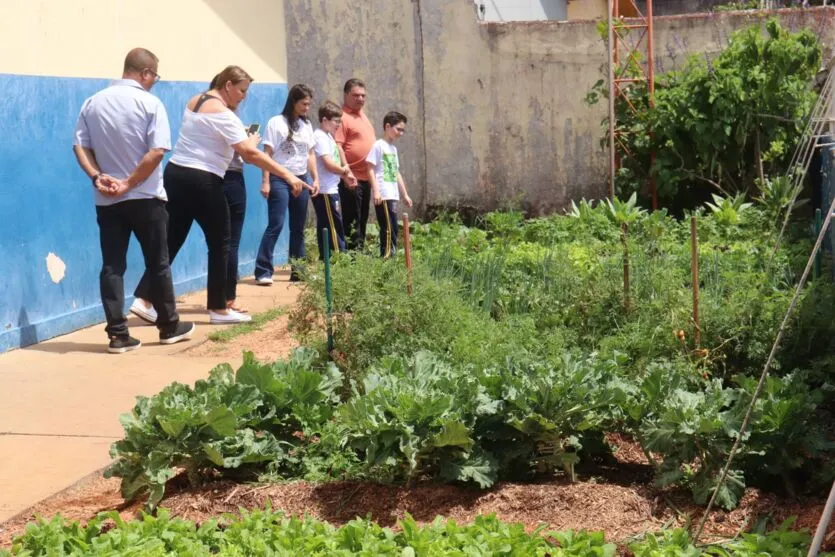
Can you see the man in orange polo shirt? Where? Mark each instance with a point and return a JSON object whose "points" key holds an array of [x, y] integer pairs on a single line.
{"points": [[355, 138]]}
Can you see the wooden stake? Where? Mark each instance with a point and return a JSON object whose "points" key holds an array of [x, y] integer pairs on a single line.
{"points": [[612, 92], [407, 244], [694, 271], [759, 155], [627, 299], [326, 248], [823, 524]]}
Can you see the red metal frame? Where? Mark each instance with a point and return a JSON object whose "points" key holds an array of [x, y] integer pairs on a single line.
{"points": [[621, 50]]}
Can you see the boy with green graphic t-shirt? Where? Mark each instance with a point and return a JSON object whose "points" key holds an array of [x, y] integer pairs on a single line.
{"points": [[384, 170]]}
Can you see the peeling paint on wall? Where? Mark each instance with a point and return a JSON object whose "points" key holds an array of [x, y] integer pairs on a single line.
{"points": [[45, 110], [56, 267]]}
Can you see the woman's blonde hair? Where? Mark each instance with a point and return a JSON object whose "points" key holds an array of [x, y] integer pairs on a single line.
{"points": [[235, 74]]}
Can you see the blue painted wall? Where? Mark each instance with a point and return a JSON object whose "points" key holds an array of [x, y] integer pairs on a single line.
{"points": [[47, 206]]}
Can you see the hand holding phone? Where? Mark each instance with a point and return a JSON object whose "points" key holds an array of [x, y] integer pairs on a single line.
{"points": [[253, 128]]}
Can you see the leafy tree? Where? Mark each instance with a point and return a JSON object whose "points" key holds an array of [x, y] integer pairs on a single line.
{"points": [[717, 125]]}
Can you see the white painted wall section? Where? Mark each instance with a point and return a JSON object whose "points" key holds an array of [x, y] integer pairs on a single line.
{"points": [[522, 10]]}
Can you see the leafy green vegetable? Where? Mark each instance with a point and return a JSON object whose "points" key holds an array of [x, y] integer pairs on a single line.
{"points": [[514, 356], [228, 421], [266, 532]]}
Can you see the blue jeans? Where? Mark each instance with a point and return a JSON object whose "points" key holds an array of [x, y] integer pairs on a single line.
{"points": [[235, 190], [279, 203]]}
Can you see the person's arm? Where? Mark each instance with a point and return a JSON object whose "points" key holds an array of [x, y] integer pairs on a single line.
{"points": [[144, 169], [331, 166], [86, 157], [146, 166], [158, 141], [323, 151], [314, 173], [339, 137], [374, 158], [265, 175], [372, 178], [342, 154], [406, 199], [250, 154], [87, 160]]}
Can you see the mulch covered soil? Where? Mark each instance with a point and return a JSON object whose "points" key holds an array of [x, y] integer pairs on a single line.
{"points": [[617, 500], [622, 511]]}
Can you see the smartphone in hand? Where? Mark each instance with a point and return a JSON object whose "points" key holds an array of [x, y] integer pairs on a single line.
{"points": [[253, 128]]}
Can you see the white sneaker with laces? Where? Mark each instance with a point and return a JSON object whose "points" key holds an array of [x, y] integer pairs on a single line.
{"points": [[231, 317], [264, 281], [144, 313]]}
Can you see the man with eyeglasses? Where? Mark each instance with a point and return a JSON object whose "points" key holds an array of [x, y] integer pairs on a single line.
{"points": [[120, 139]]}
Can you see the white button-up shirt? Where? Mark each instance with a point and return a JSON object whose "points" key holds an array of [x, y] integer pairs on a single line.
{"points": [[121, 124]]}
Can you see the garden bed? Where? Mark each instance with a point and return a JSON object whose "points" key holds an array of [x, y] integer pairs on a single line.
{"points": [[518, 361], [613, 498], [623, 511]]}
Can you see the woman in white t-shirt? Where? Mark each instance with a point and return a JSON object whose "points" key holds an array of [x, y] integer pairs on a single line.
{"points": [[210, 134], [234, 189], [288, 140]]}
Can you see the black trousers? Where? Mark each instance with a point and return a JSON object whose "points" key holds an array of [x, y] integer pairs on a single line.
{"points": [[234, 189], [355, 204], [387, 221], [197, 195], [328, 217], [148, 220]]}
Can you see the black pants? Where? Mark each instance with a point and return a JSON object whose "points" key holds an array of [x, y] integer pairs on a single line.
{"points": [[387, 221], [148, 220], [329, 219], [355, 212], [197, 195], [234, 189]]}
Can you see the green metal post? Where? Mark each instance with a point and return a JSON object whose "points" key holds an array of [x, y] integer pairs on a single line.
{"points": [[326, 245], [818, 224]]}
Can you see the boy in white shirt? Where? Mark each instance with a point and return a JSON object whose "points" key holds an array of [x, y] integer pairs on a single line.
{"points": [[384, 169], [331, 168]]}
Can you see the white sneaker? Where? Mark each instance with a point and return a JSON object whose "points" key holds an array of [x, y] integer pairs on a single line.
{"points": [[231, 317], [145, 313], [264, 281]]}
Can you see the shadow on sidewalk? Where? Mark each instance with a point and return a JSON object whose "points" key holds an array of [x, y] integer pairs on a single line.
{"points": [[63, 347]]}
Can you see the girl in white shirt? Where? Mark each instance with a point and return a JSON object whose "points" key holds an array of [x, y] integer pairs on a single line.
{"points": [[288, 140], [193, 179]]}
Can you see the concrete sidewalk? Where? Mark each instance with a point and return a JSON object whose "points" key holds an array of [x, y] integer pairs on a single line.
{"points": [[60, 400]]}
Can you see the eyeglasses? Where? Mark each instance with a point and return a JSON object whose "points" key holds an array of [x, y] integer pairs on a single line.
{"points": [[153, 73]]}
